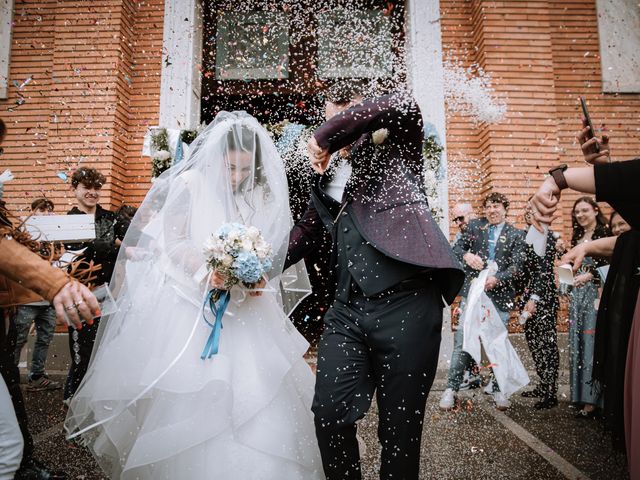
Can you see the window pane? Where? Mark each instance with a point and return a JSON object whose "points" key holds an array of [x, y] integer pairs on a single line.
{"points": [[354, 44], [252, 45]]}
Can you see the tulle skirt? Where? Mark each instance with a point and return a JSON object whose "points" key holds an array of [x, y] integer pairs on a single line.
{"points": [[157, 411]]}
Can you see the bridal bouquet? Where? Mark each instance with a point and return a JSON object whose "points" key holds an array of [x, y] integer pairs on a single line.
{"points": [[239, 254]]}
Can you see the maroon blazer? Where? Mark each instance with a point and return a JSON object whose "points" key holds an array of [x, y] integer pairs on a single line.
{"points": [[386, 190]]}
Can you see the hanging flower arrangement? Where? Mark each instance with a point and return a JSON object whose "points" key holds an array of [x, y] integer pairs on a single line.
{"points": [[158, 147], [432, 153], [161, 158]]}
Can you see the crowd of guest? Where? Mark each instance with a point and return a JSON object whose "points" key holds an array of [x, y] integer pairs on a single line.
{"points": [[603, 303]]}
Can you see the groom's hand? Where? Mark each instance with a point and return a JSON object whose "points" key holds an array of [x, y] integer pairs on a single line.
{"points": [[319, 156]]}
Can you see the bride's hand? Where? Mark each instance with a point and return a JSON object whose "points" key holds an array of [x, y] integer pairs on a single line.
{"points": [[260, 284], [216, 281]]}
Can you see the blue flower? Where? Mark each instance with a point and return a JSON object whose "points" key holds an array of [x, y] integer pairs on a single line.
{"points": [[247, 267], [224, 230], [267, 264], [227, 228]]}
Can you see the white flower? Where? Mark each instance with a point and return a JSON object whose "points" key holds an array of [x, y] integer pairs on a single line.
{"points": [[379, 136], [263, 249], [227, 260], [208, 245], [246, 244], [253, 233], [162, 155], [232, 237], [213, 247]]}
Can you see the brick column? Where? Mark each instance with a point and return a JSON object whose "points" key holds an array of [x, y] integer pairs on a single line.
{"points": [[513, 45], [89, 97]]}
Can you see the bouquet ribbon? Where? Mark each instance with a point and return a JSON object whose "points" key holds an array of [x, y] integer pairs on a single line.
{"points": [[218, 301]]}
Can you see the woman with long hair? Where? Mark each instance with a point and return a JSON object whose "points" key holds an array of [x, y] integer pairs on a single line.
{"points": [[152, 404], [588, 224]]}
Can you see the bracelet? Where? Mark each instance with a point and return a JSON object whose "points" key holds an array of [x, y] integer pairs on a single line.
{"points": [[557, 174]]}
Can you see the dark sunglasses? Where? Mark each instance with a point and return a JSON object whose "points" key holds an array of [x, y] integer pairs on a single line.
{"points": [[459, 219]]}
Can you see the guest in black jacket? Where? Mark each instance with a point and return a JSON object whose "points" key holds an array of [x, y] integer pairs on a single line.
{"points": [[86, 184], [541, 304]]}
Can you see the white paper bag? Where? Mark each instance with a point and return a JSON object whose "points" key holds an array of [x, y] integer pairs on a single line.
{"points": [[565, 274], [483, 326]]}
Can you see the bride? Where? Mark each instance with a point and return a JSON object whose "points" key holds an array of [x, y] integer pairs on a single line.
{"points": [[149, 407]]}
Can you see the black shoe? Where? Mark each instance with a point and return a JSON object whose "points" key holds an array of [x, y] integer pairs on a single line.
{"points": [[34, 470], [535, 393], [546, 403]]}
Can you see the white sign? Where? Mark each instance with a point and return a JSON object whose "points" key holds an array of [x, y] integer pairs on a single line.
{"points": [[62, 228]]}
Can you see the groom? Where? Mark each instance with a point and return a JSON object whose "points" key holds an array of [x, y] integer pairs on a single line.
{"points": [[391, 268]]}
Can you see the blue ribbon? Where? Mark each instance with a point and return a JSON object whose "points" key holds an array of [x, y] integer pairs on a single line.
{"points": [[179, 151], [218, 301]]}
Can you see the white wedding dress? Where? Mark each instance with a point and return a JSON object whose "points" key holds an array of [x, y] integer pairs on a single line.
{"points": [[149, 406]]}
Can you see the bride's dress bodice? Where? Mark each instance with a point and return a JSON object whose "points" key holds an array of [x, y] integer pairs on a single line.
{"points": [[179, 239]]}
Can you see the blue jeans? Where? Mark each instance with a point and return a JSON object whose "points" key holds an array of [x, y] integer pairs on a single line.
{"points": [[461, 360], [44, 317]]}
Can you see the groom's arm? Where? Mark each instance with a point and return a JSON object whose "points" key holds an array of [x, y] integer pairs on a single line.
{"points": [[398, 113], [306, 236]]}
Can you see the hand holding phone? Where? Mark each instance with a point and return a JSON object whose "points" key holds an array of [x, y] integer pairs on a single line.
{"points": [[595, 148]]}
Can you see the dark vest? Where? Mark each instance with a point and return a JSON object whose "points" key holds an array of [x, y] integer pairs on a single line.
{"points": [[354, 259]]}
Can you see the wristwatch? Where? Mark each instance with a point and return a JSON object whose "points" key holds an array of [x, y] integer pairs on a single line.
{"points": [[558, 176]]}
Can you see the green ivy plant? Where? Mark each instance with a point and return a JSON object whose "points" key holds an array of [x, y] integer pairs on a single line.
{"points": [[432, 153], [161, 159]]}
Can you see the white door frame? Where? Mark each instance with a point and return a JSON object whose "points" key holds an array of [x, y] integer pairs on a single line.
{"points": [[181, 58], [180, 83], [425, 73]]}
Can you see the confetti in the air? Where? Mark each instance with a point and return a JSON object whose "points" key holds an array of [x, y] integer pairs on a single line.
{"points": [[469, 91]]}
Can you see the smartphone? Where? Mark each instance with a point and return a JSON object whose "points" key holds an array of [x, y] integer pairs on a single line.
{"points": [[591, 133]]}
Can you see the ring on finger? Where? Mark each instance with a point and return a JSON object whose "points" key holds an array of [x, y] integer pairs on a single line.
{"points": [[70, 307]]}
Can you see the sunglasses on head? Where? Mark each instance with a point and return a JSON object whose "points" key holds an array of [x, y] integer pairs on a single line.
{"points": [[459, 219]]}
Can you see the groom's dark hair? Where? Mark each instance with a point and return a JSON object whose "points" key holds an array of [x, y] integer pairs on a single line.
{"points": [[343, 91]]}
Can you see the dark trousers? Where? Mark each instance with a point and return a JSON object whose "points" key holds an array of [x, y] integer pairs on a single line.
{"points": [[542, 339], [11, 376], [388, 344], [80, 348]]}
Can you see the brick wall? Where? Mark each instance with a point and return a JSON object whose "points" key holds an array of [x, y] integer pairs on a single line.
{"points": [[94, 89], [542, 55], [95, 69]]}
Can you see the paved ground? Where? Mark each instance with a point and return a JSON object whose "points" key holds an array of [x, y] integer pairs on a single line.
{"points": [[475, 442]]}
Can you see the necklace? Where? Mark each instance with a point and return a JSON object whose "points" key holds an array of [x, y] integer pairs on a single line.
{"points": [[586, 236]]}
